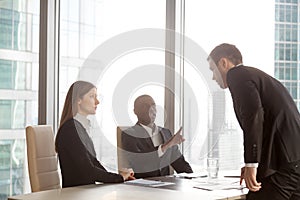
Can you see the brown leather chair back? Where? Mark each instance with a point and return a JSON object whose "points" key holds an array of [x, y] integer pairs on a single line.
{"points": [[122, 162], [42, 158]]}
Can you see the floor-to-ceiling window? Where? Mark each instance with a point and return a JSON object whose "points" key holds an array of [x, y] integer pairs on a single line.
{"points": [[19, 30], [208, 24], [105, 42]]}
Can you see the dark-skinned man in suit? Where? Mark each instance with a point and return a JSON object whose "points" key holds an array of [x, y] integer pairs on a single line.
{"points": [[151, 149]]}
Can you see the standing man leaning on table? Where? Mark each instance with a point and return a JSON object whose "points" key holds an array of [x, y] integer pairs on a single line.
{"points": [[271, 126]]}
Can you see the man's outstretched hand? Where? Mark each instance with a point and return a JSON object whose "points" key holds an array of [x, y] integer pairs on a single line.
{"points": [[174, 140]]}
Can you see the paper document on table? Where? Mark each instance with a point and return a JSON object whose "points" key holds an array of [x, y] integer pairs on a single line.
{"points": [[191, 175], [219, 184], [149, 183]]}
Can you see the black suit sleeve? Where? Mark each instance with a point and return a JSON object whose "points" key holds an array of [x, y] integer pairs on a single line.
{"points": [[139, 153], [179, 164], [71, 148], [249, 111]]}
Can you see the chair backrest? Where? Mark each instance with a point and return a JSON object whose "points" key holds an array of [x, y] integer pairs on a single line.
{"points": [[122, 162], [42, 158]]}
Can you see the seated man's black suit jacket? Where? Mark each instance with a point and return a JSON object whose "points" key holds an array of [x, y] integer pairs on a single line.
{"points": [[140, 154]]}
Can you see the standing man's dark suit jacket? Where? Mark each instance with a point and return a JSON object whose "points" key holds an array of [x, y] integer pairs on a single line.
{"points": [[141, 155], [77, 157], [268, 116]]}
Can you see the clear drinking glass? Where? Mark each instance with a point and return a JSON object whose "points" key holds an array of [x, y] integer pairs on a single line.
{"points": [[212, 167]]}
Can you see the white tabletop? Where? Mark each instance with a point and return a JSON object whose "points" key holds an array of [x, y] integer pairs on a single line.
{"points": [[125, 191]]}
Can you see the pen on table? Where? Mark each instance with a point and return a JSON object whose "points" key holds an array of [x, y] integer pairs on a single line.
{"points": [[201, 188], [186, 177], [232, 176], [191, 177]]}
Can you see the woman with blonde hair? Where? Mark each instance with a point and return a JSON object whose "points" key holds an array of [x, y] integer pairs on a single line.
{"points": [[76, 153]]}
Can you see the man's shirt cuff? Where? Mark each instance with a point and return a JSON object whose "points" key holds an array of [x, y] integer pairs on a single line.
{"points": [[251, 165], [159, 151]]}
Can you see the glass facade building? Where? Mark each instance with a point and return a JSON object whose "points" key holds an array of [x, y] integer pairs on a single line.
{"points": [[287, 63], [19, 30], [225, 136]]}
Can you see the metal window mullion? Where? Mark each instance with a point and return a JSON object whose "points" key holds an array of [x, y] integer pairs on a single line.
{"points": [[42, 95], [48, 62], [182, 74], [170, 65]]}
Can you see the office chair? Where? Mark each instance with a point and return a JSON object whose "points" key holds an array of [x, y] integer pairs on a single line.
{"points": [[42, 158], [122, 162]]}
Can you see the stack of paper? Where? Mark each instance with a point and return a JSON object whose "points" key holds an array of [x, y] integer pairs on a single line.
{"points": [[149, 183], [219, 184], [191, 175]]}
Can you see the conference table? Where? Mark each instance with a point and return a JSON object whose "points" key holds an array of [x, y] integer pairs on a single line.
{"points": [[158, 188]]}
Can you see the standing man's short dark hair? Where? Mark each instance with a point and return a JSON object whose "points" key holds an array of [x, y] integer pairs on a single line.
{"points": [[228, 51], [270, 122]]}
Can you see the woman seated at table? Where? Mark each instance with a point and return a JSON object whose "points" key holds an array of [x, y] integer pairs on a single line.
{"points": [[76, 153]]}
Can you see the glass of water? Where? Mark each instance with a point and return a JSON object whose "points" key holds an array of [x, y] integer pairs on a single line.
{"points": [[212, 167]]}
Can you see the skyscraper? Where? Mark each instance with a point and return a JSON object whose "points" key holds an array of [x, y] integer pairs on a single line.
{"points": [[225, 136], [19, 30], [287, 57]]}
